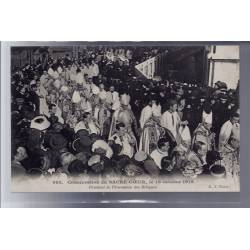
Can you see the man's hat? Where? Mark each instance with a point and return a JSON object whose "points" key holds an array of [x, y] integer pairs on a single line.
{"points": [[221, 85]]}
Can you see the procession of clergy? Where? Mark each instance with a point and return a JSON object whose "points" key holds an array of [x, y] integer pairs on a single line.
{"points": [[73, 117]]}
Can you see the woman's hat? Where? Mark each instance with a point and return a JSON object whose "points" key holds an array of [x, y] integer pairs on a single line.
{"points": [[40, 123]]}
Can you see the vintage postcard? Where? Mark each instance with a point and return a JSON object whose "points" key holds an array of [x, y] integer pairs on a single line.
{"points": [[117, 117]]}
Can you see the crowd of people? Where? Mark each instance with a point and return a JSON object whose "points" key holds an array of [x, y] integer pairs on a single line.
{"points": [[93, 116]]}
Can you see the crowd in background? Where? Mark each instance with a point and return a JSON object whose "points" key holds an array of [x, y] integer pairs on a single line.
{"points": [[93, 116]]}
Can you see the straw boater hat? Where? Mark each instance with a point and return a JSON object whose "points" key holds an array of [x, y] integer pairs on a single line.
{"points": [[40, 123]]}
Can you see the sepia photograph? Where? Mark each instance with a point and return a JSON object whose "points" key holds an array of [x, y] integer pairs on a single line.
{"points": [[104, 117]]}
